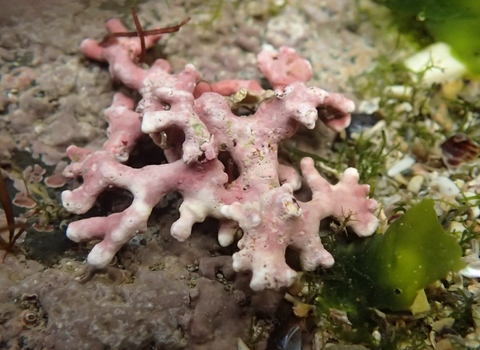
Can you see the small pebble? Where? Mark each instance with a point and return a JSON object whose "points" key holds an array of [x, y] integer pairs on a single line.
{"points": [[399, 91], [401, 165], [415, 183], [369, 106], [445, 186]]}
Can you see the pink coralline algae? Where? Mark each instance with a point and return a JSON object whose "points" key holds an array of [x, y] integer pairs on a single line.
{"points": [[193, 122]]}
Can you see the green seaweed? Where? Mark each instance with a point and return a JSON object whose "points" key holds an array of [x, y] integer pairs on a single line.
{"points": [[452, 21], [362, 153], [414, 252], [366, 156], [387, 271]]}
